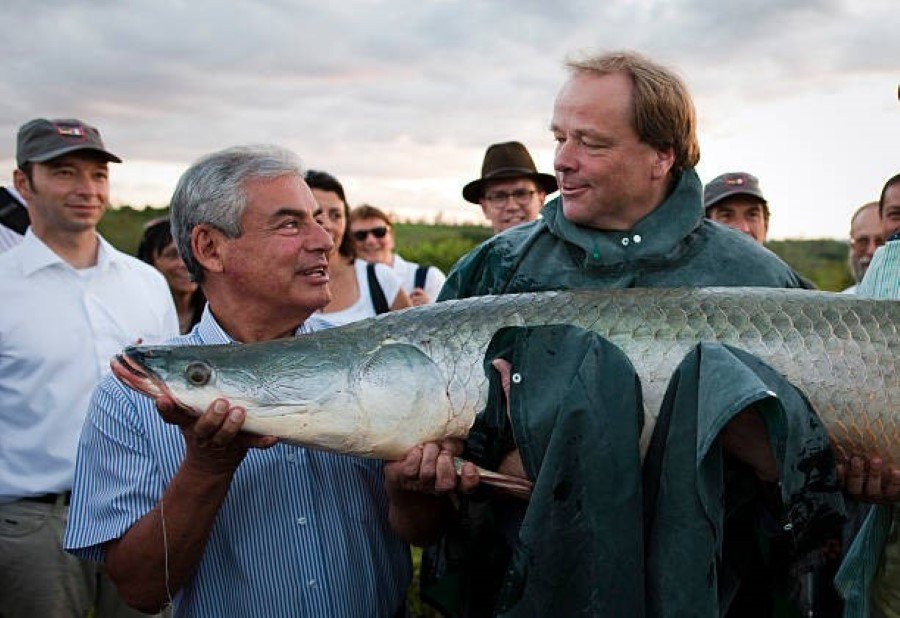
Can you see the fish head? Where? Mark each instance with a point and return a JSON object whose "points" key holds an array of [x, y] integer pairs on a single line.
{"points": [[265, 379]]}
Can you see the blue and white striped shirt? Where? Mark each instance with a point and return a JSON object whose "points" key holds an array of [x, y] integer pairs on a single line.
{"points": [[301, 532], [882, 278]]}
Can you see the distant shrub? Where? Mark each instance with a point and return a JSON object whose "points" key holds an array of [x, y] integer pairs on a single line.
{"points": [[438, 245], [823, 261], [123, 226]]}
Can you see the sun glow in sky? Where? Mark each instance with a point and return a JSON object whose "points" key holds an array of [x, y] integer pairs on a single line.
{"points": [[400, 98]]}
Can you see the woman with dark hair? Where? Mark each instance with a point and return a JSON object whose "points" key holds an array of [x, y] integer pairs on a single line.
{"points": [[358, 289], [157, 248]]}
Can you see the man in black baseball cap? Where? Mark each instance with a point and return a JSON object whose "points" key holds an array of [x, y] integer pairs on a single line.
{"points": [[62, 176], [70, 300], [511, 190], [735, 199]]}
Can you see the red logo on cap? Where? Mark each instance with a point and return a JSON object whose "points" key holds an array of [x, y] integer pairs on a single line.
{"points": [[734, 181], [70, 131]]}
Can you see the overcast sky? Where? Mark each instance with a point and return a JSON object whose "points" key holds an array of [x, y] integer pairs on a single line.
{"points": [[400, 98]]}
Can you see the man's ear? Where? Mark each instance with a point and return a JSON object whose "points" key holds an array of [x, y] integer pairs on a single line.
{"points": [[22, 185], [209, 247], [663, 162]]}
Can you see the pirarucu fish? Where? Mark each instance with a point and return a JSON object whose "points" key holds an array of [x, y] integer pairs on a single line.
{"points": [[380, 386]]}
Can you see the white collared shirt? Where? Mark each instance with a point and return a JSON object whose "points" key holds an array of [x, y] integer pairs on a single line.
{"points": [[58, 329]]}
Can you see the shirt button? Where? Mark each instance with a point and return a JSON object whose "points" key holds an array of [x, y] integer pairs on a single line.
{"points": [[290, 457], [313, 583], [301, 521], [625, 242], [637, 238]]}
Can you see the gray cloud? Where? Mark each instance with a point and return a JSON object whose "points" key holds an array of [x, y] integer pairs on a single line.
{"points": [[380, 87]]}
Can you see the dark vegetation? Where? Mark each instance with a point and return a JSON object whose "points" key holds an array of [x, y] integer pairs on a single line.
{"points": [[823, 261]]}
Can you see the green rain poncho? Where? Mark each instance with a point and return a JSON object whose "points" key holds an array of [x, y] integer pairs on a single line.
{"points": [[600, 536]]}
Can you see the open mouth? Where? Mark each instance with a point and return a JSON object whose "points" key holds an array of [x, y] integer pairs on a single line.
{"points": [[319, 272], [139, 378]]}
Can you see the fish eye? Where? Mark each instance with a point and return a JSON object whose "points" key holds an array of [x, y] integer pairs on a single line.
{"points": [[198, 373]]}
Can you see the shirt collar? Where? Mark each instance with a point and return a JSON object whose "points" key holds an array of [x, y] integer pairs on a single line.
{"points": [[210, 331], [657, 235], [34, 255]]}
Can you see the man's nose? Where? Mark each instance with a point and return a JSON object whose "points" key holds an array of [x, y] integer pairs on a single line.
{"points": [[564, 159], [86, 184], [321, 239], [511, 203]]}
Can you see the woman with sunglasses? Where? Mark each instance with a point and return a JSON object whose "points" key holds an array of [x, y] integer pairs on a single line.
{"points": [[358, 290], [373, 237], [158, 249]]}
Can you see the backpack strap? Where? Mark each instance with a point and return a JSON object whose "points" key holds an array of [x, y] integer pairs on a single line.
{"points": [[13, 214], [421, 273], [378, 300]]}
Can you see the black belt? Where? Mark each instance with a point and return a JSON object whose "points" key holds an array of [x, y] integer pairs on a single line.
{"points": [[50, 498]]}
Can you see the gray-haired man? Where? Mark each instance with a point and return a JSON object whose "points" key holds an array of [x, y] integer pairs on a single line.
{"points": [[220, 522]]}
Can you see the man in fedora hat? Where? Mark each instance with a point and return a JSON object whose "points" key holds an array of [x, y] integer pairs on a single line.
{"points": [[511, 190], [70, 301]]}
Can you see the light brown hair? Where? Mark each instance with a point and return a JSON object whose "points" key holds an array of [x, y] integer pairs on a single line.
{"points": [[365, 211], [662, 112]]}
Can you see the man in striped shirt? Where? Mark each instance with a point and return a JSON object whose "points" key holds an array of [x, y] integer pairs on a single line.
{"points": [[193, 511], [870, 576]]}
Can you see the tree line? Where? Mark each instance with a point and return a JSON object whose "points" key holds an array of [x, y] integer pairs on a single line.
{"points": [[822, 261]]}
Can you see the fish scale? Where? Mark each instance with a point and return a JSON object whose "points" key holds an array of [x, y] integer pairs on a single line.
{"points": [[379, 386]]}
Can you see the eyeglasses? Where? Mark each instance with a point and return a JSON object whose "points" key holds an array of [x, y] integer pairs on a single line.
{"points": [[377, 232], [498, 199]]}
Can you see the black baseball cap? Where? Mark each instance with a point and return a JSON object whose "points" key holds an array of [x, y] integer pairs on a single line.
{"points": [[732, 183], [40, 140]]}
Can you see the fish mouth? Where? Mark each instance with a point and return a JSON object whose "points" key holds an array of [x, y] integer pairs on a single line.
{"points": [[139, 378]]}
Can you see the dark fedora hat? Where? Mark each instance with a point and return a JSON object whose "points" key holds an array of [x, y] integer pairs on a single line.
{"points": [[504, 161]]}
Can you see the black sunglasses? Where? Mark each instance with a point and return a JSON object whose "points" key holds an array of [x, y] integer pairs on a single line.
{"points": [[377, 232]]}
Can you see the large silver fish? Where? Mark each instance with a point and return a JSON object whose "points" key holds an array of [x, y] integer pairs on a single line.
{"points": [[380, 386]]}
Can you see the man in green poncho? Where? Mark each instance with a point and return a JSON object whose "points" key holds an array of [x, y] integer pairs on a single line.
{"points": [[629, 214]]}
